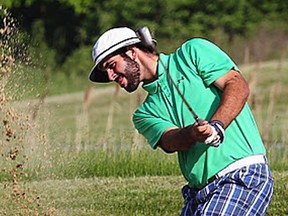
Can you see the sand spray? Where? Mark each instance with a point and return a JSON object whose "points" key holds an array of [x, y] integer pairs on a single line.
{"points": [[16, 125]]}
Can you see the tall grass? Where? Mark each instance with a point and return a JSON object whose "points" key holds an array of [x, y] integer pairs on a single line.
{"points": [[268, 100], [71, 137], [87, 134], [69, 140], [121, 163]]}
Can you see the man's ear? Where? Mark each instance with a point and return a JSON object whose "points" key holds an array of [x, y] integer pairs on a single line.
{"points": [[131, 52]]}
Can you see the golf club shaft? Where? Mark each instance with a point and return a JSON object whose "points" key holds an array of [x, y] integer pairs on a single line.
{"points": [[146, 39], [195, 116]]}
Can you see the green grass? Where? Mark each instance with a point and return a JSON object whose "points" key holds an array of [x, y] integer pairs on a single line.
{"points": [[269, 99], [101, 163], [85, 158], [144, 195]]}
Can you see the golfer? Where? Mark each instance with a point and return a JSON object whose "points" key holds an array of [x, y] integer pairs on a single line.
{"points": [[222, 157]]}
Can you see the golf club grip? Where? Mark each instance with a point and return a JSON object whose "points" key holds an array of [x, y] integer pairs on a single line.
{"points": [[199, 121]]}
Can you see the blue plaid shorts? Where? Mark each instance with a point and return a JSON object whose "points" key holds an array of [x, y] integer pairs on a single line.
{"points": [[246, 191]]}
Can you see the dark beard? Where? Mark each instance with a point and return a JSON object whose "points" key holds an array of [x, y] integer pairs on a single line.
{"points": [[132, 74]]}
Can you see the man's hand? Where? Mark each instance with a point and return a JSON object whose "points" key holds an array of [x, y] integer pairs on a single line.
{"points": [[181, 139], [217, 136]]}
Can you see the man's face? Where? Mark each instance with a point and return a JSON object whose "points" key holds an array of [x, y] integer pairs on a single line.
{"points": [[123, 70]]}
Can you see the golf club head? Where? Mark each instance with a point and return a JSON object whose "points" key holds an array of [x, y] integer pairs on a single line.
{"points": [[146, 38]]}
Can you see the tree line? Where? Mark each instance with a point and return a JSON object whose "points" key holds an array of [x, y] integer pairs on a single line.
{"points": [[68, 25]]}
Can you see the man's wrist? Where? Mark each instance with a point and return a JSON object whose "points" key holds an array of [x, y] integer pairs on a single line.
{"points": [[218, 133], [217, 122]]}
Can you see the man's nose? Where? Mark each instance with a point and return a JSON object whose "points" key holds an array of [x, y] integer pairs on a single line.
{"points": [[111, 74]]}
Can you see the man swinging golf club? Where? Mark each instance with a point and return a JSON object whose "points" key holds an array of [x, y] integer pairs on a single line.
{"points": [[221, 155]]}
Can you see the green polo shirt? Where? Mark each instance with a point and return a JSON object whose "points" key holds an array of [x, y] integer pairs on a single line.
{"points": [[194, 67]]}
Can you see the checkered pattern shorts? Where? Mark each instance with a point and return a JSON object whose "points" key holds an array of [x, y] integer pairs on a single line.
{"points": [[246, 191]]}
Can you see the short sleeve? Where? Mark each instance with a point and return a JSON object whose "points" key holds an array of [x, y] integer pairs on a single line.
{"points": [[211, 62], [151, 127]]}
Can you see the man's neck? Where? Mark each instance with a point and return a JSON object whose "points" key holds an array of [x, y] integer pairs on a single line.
{"points": [[150, 64]]}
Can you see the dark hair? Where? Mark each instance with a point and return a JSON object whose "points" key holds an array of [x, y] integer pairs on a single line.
{"points": [[119, 51], [144, 48]]}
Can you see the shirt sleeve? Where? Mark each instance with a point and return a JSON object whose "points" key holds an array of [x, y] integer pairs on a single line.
{"points": [[151, 127], [211, 62]]}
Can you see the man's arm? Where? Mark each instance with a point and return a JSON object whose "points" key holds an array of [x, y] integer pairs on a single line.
{"points": [[181, 139], [235, 94]]}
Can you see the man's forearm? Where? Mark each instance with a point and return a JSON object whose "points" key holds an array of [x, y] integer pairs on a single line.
{"points": [[176, 139], [181, 139]]}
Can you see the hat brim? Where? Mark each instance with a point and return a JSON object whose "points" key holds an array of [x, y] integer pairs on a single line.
{"points": [[98, 76]]}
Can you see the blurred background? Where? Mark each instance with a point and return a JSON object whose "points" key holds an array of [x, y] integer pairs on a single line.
{"points": [[64, 31]]}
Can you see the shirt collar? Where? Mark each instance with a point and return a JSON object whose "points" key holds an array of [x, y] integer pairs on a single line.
{"points": [[152, 87]]}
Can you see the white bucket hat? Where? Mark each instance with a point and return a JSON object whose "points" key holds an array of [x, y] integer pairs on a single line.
{"points": [[108, 43]]}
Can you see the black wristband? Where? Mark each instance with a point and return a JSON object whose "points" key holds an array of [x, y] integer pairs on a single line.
{"points": [[220, 131]]}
